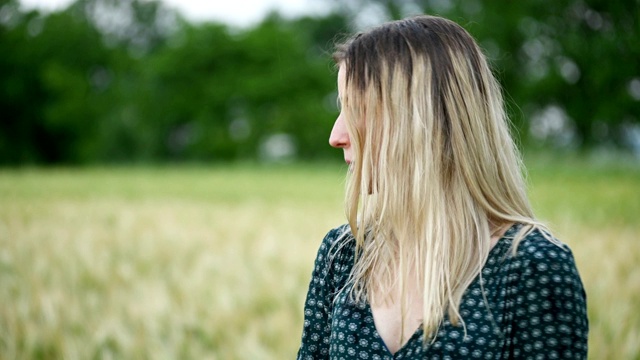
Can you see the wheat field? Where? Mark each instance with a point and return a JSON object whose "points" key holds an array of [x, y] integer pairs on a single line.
{"points": [[195, 262]]}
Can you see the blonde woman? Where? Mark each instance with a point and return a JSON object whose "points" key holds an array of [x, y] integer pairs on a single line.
{"points": [[442, 257]]}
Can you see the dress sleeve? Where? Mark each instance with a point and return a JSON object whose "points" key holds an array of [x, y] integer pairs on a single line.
{"points": [[316, 331], [551, 314]]}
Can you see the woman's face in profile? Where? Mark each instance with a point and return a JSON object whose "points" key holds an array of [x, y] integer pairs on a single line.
{"points": [[339, 137]]}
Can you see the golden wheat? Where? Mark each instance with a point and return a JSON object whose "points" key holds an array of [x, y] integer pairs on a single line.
{"points": [[196, 263]]}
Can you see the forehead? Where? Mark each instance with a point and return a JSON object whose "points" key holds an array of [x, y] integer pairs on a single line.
{"points": [[342, 77]]}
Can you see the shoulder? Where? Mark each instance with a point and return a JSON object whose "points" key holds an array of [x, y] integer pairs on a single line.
{"points": [[335, 255], [549, 297], [336, 234], [546, 265], [539, 251], [334, 241]]}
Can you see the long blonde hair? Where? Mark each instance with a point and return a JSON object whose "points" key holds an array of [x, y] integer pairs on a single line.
{"points": [[435, 168]]}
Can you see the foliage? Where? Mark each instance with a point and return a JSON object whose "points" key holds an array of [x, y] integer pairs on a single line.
{"points": [[123, 81], [131, 81]]}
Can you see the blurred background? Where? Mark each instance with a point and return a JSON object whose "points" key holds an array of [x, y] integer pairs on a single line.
{"points": [[166, 179], [124, 81]]}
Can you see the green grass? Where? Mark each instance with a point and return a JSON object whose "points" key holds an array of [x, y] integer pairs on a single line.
{"points": [[213, 263]]}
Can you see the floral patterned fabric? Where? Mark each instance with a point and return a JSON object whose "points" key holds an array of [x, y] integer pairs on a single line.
{"points": [[536, 308]]}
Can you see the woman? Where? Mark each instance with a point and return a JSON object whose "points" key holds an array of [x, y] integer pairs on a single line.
{"points": [[442, 256]]}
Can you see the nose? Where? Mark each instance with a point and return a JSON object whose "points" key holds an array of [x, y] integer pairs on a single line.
{"points": [[339, 137]]}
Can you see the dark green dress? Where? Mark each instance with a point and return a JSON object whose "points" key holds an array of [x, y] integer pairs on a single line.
{"points": [[536, 299]]}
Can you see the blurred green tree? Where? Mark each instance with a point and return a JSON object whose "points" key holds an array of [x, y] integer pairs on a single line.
{"points": [[219, 94], [112, 81], [22, 94], [130, 80], [63, 80]]}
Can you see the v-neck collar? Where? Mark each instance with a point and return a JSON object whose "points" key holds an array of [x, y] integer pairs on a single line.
{"points": [[495, 253]]}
